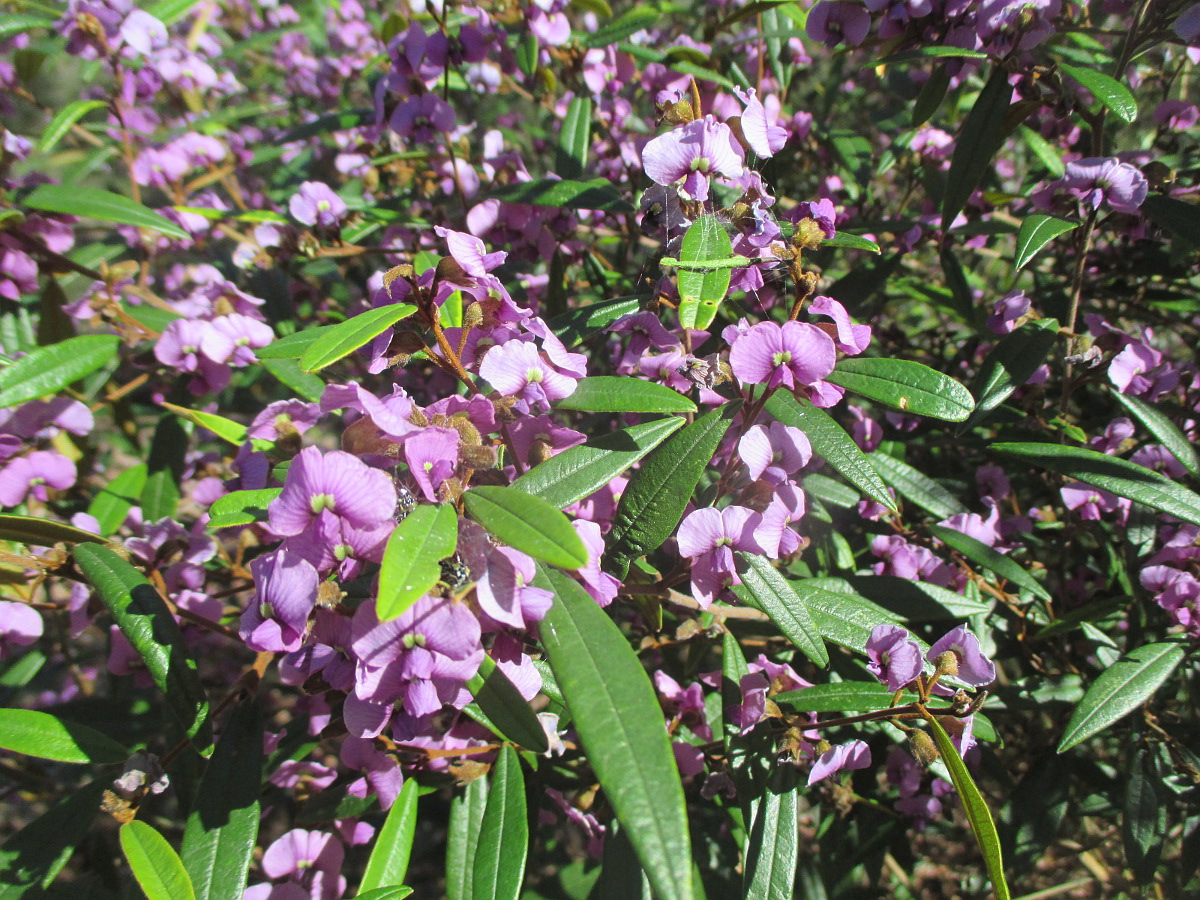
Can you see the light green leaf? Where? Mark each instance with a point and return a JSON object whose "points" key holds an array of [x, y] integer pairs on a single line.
{"points": [[1163, 429], [773, 844], [288, 373], [114, 501], [47, 370], [1122, 688], [1123, 478], [40, 734], [851, 242], [292, 346], [905, 385], [618, 29], [93, 203], [701, 291], [616, 713], [148, 625], [844, 618], [1036, 232], [388, 893], [527, 523], [157, 868], [1106, 89], [506, 712], [393, 846], [615, 393], [914, 485], [344, 338], [580, 471], [17, 23], [993, 560], [575, 326], [466, 816], [226, 429], [1009, 365], [924, 54], [764, 588], [499, 866], [411, 561], [844, 696], [63, 120], [830, 442], [1046, 152], [241, 507]]}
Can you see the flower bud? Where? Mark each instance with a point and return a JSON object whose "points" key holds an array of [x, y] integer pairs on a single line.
{"points": [[922, 747], [473, 315], [946, 663]]}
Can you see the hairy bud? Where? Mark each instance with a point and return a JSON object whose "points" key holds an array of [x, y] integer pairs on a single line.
{"points": [[922, 747], [946, 663]]}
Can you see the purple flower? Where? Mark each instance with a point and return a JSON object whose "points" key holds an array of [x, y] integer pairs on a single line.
{"points": [[516, 369], [792, 355], [432, 457], [286, 587], [974, 668], [822, 212], [708, 537], [315, 203], [764, 137], [849, 338], [1177, 115], [774, 450], [691, 154], [895, 659], [20, 626], [1106, 180], [470, 253], [333, 482], [854, 755], [421, 117], [830, 23], [32, 474], [1007, 311], [314, 856]]}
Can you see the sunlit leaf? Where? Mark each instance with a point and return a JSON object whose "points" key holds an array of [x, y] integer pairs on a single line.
{"points": [[505, 710], [344, 338], [47, 370], [1106, 89], [388, 863], [411, 561], [614, 393], [993, 560], [764, 588], [527, 523], [499, 866], [1036, 232], [35, 733], [155, 865], [905, 385]]}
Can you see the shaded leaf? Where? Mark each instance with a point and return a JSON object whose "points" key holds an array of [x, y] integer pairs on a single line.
{"points": [[993, 560], [1163, 429], [344, 338], [1036, 232], [905, 385], [598, 193], [388, 863], [527, 523], [981, 135], [47, 370], [622, 27], [575, 139], [576, 325], [63, 120], [915, 486], [411, 561], [499, 866], [1106, 89], [43, 533], [33, 856], [1178, 218], [506, 711], [917, 601], [93, 203], [616, 393], [1010, 364], [154, 864], [764, 588], [113, 502], [1144, 823], [40, 734]]}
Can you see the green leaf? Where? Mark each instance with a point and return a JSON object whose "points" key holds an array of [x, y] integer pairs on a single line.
{"points": [[830, 442], [411, 561], [393, 846], [171, 11], [226, 429], [618, 29], [112, 504], [43, 533], [914, 485], [1035, 233], [575, 140], [659, 491], [388, 893], [505, 709], [344, 338], [764, 588], [851, 242], [905, 385], [1178, 218], [844, 696], [160, 496], [222, 827], [1120, 689], [577, 325], [1144, 823], [930, 97], [926, 53], [288, 373], [292, 346], [157, 868], [1010, 364], [993, 560], [917, 601], [580, 471], [466, 816], [47, 370], [845, 619], [976, 808], [981, 135], [597, 193], [32, 857], [1106, 89], [241, 507], [1123, 478], [527, 523], [701, 291], [499, 865], [40, 734], [148, 625], [618, 718], [1163, 429], [773, 844], [93, 203], [63, 120], [617, 393], [1046, 152], [16, 24]]}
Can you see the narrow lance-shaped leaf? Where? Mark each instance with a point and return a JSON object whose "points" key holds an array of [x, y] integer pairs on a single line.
{"points": [[155, 865], [617, 715], [1036, 232], [43, 533], [40, 734], [241, 507], [221, 830], [63, 120], [844, 696], [597, 193], [763, 587], [905, 385], [773, 844], [1009, 365], [226, 429], [499, 867], [527, 523], [47, 370], [33, 856], [505, 710], [1106, 89], [612, 393], [575, 139], [993, 560], [1163, 429], [114, 501], [1144, 823], [1120, 689], [148, 625], [981, 135], [844, 619], [915, 486], [292, 346], [344, 338], [93, 203], [411, 562], [388, 863], [466, 815], [702, 290]]}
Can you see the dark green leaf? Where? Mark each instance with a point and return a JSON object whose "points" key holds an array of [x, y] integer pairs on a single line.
{"points": [[411, 561], [764, 588], [701, 290], [1163, 429], [344, 338], [292, 346], [1123, 478], [63, 120], [505, 709], [527, 523], [1010, 364], [112, 504], [575, 139], [658, 493], [148, 625], [975, 807], [618, 29], [160, 496], [830, 442], [43, 533], [981, 135], [933, 92], [773, 844], [621, 874], [1144, 824], [844, 696], [13, 23], [845, 619], [466, 815], [1036, 232], [92, 203], [1178, 218], [917, 601], [1120, 689], [993, 560], [915, 486], [905, 385], [218, 840], [389, 859], [598, 193], [851, 242], [40, 734], [154, 864], [1046, 153], [617, 715], [578, 472], [617, 393], [48, 370], [35, 855], [926, 53], [577, 325], [1106, 89], [499, 866]]}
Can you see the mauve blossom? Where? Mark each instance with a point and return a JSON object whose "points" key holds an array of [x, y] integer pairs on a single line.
{"points": [[286, 592], [420, 118], [1187, 26], [792, 355], [32, 474], [233, 339], [315, 203], [316, 856], [470, 252], [849, 338], [502, 579], [709, 537], [762, 134], [335, 482], [1090, 503], [432, 457], [20, 626], [1008, 309], [894, 659], [974, 668], [830, 23], [1099, 180], [820, 211], [1177, 115], [691, 154], [143, 32], [774, 451], [843, 757], [516, 369]]}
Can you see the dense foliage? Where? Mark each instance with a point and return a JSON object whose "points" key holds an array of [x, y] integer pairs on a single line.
{"points": [[554, 450]]}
